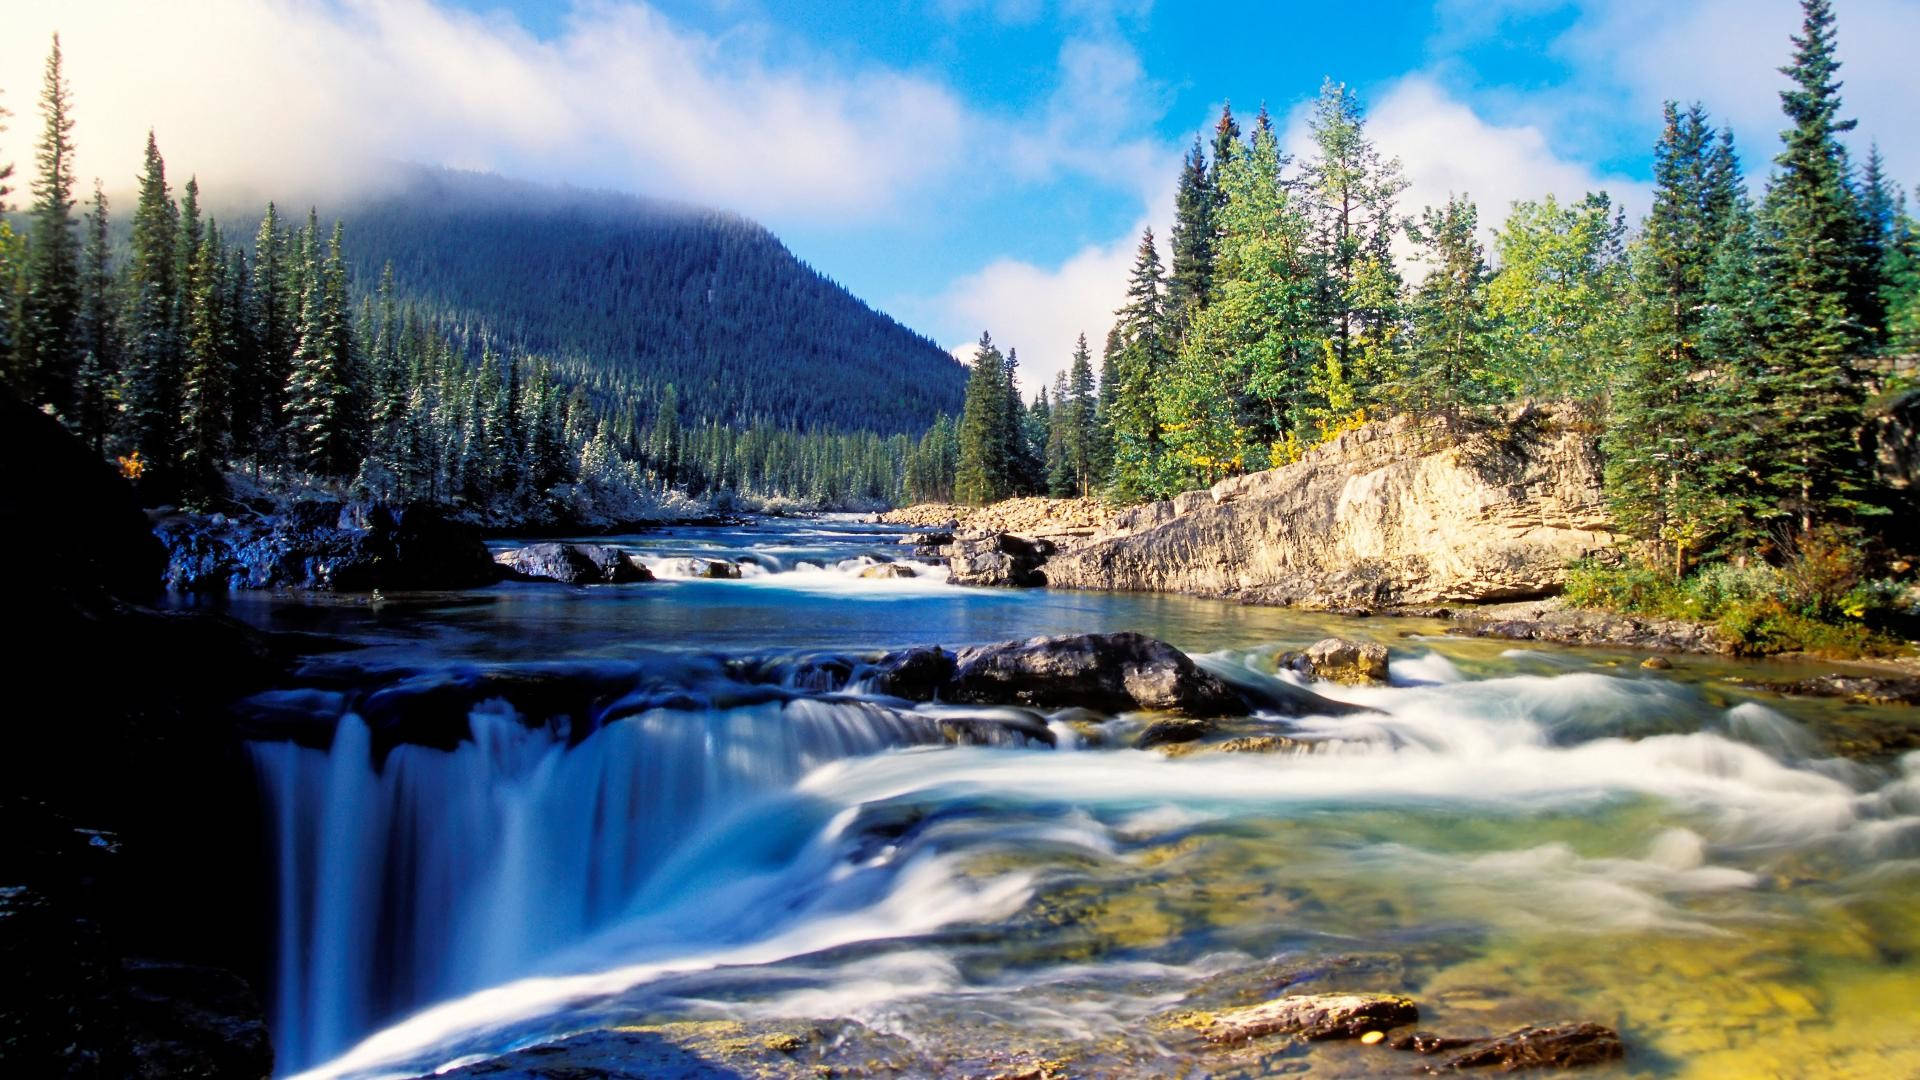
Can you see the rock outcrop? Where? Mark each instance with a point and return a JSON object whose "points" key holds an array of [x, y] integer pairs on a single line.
{"points": [[1394, 513], [1002, 559], [574, 564], [325, 545]]}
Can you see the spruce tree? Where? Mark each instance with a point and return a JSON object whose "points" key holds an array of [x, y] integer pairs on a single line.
{"points": [[274, 315], [1191, 280], [1226, 144], [1810, 263], [1061, 422], [1451, 358], [48, 337], [154, 367], [206, 412], [981, 473], [1877, 198], [1083, 422], [1900, 282], [1352, 189], [1141, 365], [1659, 453], [99, 329]]}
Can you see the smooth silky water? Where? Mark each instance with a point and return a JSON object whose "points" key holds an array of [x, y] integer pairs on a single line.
{"points": [[1516, 835]]}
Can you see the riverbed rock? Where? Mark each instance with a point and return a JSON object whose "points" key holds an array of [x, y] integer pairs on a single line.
{"points": [[1312, 1016], [714, 569], [1173, 733], [1553, 622], [574, 564], [1556, 1046], [1863, 689], [1106, 672], [915, 674], [998, 559], [1396, 512], [886, 571], [1359, 663], [325, 545]]}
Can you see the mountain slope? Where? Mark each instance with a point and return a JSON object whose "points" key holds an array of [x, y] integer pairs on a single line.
{"points": [[632, 294]]}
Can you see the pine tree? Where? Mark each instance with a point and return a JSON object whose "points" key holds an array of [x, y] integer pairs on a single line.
{"points": [[154, 367], [1141, 365], [1659, 454], [323, 391], [1083, 422], [207, 387], [1191, 281], [1810, 263], [274, 317], [1451, 358], [99, 330], [1877, 197], [1900, 282], [1353, 190], [49, 313], [981, 475], [1226, 144], [1061, 422]]}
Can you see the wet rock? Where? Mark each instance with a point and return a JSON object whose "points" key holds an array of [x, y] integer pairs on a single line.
{"points": [[1558, 1046], [1312, 1016], [326, 545], [914, 674], [1245, 744], [1553, 622], [1107, 672], [1426, 1042], [574, 564], [717, 569], [1657, 663], [998, 559], [932, 539], [1864, 689], [187, 1020], [1174, 733], [1359, 663], [888, 571]]}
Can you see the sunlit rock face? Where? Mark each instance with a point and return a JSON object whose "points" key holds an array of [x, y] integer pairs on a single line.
{"points": [[1393, 513]]}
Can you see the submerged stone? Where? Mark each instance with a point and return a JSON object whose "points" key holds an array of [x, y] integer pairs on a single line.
{"points": [[1557, 1046], [1312, 1016]]}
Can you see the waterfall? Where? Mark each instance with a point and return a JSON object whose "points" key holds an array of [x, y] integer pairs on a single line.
{"points": [[438, 872]]}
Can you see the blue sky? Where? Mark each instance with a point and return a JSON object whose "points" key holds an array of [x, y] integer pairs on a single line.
{"points": [[962, 164]]}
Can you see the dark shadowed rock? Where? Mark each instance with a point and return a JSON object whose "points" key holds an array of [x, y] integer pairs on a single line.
{"points": [[1106, 672], [328, 545], [1174, 730], [1359, 663], [1312, 1016], [1000, 559], [915, 674], [574, 564], [190, 1021], [54, 481], [1559, 1046]]}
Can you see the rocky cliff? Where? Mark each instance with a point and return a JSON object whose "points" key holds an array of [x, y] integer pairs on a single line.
{"points": [[1394, 513]]}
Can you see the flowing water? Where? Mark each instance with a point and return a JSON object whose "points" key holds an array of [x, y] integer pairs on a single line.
{"points": [[1508, 835]]}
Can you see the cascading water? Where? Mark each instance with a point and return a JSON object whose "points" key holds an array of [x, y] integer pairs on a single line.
{"points": [[742, 835], [439, 872]]}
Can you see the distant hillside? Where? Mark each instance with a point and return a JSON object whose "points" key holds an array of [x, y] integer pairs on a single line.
{"points": [[633, 294]]}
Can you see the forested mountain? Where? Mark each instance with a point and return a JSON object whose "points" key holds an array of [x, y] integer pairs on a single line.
{"points": [[637, 294]]}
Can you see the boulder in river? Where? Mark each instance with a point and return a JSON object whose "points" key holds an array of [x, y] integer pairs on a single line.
{"points": [[1360, 663], [717, 569], [1311, 1016], [574, 564], [888, 570], [1106, 672], [1555, 1046], [998, 559]]}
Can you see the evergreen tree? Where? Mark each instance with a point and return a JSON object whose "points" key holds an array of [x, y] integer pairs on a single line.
{"points": [[981, 474], [1191, 280], [1810, 263], [1352, 193], [1877, 202], [154, 369], [322, 394], [1226, 144], [1061, 481], [48, 339], [99, 329], [207, 386], [1660, 454], [1900, 282], [275, 312], [1082, 422], [1451, 359], [1142, 363]]}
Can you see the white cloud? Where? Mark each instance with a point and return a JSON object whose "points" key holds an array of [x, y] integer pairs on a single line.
{"points": [[1629, 56], [1446, 148], [1041, 310]]}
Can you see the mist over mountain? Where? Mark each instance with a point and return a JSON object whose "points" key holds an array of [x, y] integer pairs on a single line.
{"points": [[629, 295]]}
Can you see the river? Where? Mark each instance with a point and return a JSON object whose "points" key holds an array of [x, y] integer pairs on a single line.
{"points": [[1507, 834]]}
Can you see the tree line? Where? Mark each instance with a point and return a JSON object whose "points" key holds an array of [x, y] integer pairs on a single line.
{"points": [[1722, 344], [199, 360]]}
